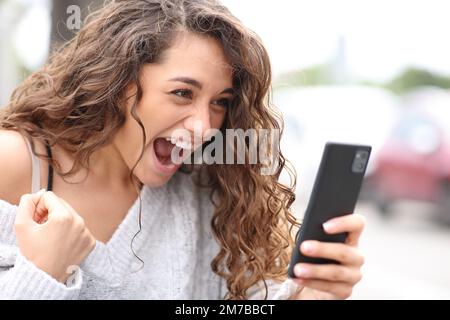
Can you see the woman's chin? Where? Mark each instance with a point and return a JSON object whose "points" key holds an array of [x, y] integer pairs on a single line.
{"points": [[152, 179], [152, 172]]}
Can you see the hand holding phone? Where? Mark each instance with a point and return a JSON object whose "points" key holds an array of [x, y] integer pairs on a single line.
{"points": [[334, 194]]}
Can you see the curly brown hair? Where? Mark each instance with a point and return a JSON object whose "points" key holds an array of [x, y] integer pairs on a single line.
{"points": [[76, 101]]}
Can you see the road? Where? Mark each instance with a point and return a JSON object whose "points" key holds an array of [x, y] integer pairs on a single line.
{"points": [[407, 255]]}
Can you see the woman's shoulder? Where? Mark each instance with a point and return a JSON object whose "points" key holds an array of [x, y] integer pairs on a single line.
{"points": [[15, 166]]}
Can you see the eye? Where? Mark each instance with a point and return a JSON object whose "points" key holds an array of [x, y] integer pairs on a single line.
{"points": [[183, 93], [223, 102]]}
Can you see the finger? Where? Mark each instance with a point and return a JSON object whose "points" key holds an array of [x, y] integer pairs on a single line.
{"points": [[41, 208], [43, 220], [27, 207], [40, 214], [72, 211], [68, 206], [352, 223], [53, 205], [328, 272], [339, 290], [343, 253]]}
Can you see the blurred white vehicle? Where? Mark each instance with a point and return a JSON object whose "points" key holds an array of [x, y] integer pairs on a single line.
{"points": [[344, 114], [432, 102]]}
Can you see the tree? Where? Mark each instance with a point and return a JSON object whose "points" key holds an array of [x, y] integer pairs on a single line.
{"points": [[414, 77], [311, 76]]}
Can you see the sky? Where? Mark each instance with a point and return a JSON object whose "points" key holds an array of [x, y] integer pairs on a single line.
{"points": [[382, 37]]}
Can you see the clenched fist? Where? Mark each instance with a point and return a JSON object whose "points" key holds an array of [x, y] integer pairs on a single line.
{"points": [[51, 234]]}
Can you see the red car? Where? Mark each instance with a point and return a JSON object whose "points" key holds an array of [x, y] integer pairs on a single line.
{"points": [[414, 163]]}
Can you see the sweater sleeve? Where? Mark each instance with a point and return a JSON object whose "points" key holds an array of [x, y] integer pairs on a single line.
{"points": [[276, 290], [7, 219], [26, 281], [19, 277]]}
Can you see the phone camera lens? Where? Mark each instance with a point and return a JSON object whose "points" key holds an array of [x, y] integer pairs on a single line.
{"points": [[360, 161]]}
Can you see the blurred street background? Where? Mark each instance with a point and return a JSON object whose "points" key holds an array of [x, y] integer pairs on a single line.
{"points": [[367, 72]]}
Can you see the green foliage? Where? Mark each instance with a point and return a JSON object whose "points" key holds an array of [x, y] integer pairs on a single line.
{"points": [[414, 77], [312, 76], [407, 80]]}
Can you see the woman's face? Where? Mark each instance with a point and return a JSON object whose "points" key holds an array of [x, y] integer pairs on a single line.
{"points": [[191, 86]]}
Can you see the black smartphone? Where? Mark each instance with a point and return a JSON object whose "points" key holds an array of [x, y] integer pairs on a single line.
{"points": [[335, 193]]}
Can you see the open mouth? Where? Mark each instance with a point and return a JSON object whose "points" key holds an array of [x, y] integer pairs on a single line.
{"points": [[165, 148]]}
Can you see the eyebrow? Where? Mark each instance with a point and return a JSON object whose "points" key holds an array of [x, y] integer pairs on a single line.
{"points": [[197, 84]]}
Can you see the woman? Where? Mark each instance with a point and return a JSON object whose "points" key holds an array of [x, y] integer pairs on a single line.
{"points": [[95, 122]]}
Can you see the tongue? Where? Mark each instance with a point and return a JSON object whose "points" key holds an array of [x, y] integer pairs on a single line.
{"points": [[163, 148]]}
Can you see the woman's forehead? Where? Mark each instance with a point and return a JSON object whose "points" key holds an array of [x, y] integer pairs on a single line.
{"points": [[197, 49], [198, 57]]}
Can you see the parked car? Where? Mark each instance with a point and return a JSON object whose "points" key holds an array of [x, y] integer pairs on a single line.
{"points": [[414, 162]]}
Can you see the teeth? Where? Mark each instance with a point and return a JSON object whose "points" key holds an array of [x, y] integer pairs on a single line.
{"points": [[180, 144], [183, 144]]}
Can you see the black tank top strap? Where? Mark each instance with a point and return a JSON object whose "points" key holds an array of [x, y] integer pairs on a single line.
{"points": [[50, 167]]}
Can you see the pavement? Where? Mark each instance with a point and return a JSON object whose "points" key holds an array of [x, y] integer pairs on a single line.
{"points": [[407, 255]]}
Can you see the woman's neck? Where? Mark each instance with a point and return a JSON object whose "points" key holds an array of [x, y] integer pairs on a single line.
{"points": [[106, 166]]}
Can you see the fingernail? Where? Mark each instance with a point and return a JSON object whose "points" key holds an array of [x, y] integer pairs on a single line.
{"points": [[308, 247], [328, 226], [40, 192], [300, 271]]}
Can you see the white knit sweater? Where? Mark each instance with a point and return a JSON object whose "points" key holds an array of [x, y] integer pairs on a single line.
{"points": [[176, 245]]}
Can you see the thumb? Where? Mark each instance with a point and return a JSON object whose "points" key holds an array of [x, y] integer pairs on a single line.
{"points": [[52, 205], [27, 207]]}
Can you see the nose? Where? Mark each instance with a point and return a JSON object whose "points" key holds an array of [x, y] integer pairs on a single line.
{"points": [[199, 122]]}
